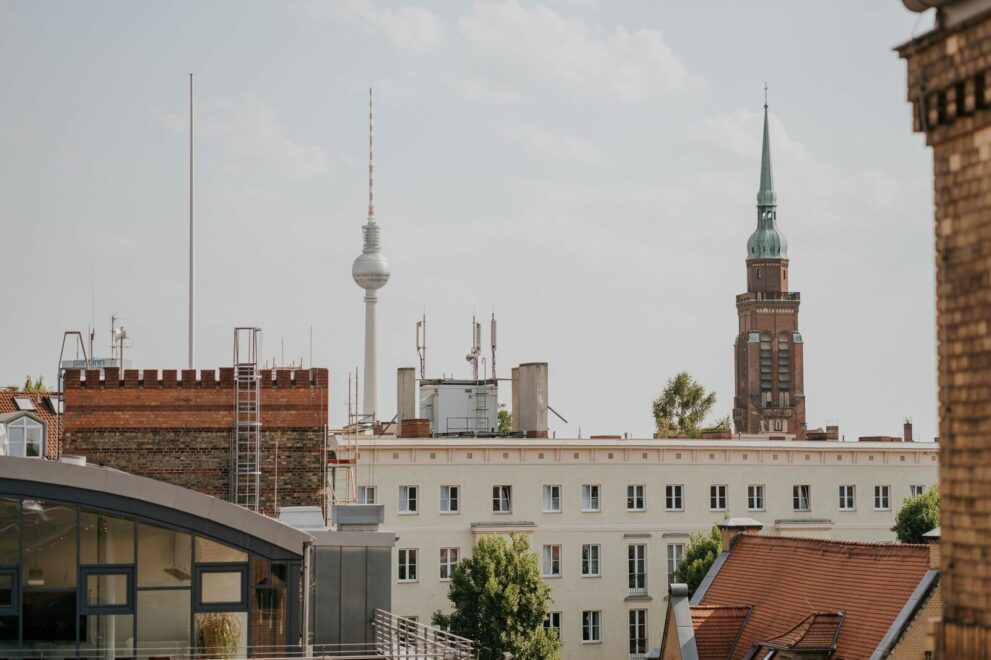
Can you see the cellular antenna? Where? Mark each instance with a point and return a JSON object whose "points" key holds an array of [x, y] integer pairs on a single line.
{"points": [[421, 344]]}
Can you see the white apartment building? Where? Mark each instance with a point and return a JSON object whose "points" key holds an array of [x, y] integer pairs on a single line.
{"points": [[610, 518]]}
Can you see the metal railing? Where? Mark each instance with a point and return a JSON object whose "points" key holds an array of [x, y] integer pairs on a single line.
{"points": [[399, 637]]}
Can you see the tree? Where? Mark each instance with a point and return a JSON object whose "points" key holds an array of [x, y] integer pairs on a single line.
{"points": [[918, 515], [37, 385], [682, 406], [505, 420], [702, 550], [500, 601]]}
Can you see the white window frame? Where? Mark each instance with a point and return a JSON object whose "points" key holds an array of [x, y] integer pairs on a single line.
{"points": [[551, 498], [363, 494], [409, 495], [591, 498], [675, 553], [674, 497], [591, 559], [797, 495], [916, 489], [449, 558], [550, 564], [23, 427], [755, 497], [452, 496], [553, 620], [502, 499], [591, 626], [638, 633], [636, 568], [636, 497], [882, 497], [407, 564], [848, 497], [717, 497]]}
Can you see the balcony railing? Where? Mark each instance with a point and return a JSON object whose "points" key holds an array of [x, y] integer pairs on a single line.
{"points": [[771, 296]]}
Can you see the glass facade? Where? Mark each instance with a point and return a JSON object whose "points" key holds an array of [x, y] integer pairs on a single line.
{"points": [[80, 582]]}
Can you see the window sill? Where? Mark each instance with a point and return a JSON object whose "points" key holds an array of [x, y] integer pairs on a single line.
{"points": [[502, 513], [407, 581], [636, 510], [884, 509], [757, 510], [674, 510], [723, 510], [409, 513], [551, 577], [594, 641], [449, 513], [591, 510], [596, 575], [556, 511]]}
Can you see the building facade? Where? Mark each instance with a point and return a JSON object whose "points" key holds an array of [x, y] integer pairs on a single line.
{"points": [[950, 93], [178, 427], [769, 362], [609, 519]]}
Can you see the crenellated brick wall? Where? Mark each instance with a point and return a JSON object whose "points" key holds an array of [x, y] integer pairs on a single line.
{"points": [[949, 86], [176, 426]]}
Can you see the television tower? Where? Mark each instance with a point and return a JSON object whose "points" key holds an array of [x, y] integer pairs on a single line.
{"points": [[370, 272]]}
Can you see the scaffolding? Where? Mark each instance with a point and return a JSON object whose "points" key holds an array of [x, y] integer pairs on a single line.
{"points": [[246, 441]]}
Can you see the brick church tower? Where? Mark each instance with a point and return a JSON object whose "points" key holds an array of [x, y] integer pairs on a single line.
{"points": [[770, 395]]}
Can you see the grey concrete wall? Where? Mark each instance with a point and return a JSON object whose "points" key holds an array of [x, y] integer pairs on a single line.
{"points": [[516, 399], [533, 399], [405, 397], [350, 583]]}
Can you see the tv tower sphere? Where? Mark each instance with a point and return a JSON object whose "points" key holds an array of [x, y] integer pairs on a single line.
{"points": [[371, 268]]}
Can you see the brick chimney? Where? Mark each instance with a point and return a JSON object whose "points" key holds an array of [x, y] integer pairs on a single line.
{"points": [[935, 556], [907, 435], [732, 528]]}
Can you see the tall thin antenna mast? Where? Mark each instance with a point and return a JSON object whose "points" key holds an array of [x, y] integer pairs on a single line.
{"points": [[191, 325], [371, 196]]}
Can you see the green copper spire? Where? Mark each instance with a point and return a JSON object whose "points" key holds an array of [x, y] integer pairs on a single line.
{"points": [[767, 242]]}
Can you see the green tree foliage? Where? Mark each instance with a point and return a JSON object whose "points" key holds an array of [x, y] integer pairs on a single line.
{"points": [[702, 550], [500, 601], [36, 385], [682, 406], [505, 420], [918, 515]]}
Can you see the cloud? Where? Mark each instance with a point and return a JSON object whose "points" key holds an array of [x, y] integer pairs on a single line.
{"points": [[412, 29], [556, 145], [629, 64], [251, 131], [482, 91], [741, 132]]}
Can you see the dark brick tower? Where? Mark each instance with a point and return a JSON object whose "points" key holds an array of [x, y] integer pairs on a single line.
{"points": [[770, 394]]}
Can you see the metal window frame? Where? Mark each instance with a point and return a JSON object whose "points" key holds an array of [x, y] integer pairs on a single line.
{"points": [[128, 570], [14, 609], [198, 572]]}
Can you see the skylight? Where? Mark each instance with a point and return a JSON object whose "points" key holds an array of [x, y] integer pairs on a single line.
{"points": [[23, 403]]}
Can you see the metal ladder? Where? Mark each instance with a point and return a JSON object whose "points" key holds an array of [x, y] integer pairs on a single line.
{"points": [[246, 442]]}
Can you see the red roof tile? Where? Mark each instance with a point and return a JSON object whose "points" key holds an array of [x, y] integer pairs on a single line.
{"points": [[787, 579], [41, 409], [817, 631], [716, 629]]}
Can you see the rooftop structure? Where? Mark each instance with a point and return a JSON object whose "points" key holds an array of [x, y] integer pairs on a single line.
{"points": [[813, 598]]}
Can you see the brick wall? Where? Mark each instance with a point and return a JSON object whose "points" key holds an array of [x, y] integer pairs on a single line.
{"points": [[177, 427], [950, 92]]}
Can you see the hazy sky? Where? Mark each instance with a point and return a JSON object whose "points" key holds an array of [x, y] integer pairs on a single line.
{"points": [[586, 168]]}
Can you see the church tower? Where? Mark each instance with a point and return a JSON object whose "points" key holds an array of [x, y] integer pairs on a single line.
{"points": [[770, 393]]}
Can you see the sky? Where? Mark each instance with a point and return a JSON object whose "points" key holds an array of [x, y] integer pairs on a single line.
{"points": [[585, 169]]}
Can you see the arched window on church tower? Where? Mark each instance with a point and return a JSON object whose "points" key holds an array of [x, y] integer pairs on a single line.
{"points": [[765, 369], [784, 371]]}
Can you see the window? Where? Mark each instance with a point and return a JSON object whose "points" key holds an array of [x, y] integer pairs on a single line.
{"points": [[590, 497], [638, 633], [591, 621], [784, 370], [552, 499], [590, 560], [502, 499], [366, 494], [408, 500], [637, 562], [848, 501], [916, 489], [448, 560], [755, 497], [765, 369], [674, 497], [450, 499], [24, 438], [553, 620], [551, 566], [882, 498], [801, 500], [635, 500], [407, 564], [675, 552], [717, 497]]}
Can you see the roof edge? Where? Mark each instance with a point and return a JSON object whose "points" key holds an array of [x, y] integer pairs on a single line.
{"points": [[907, 615], [710, 577]]}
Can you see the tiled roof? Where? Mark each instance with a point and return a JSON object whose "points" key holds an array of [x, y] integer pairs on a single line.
{"points": [[717, 628], [787, 579], [41, 409], [817, 631]]}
